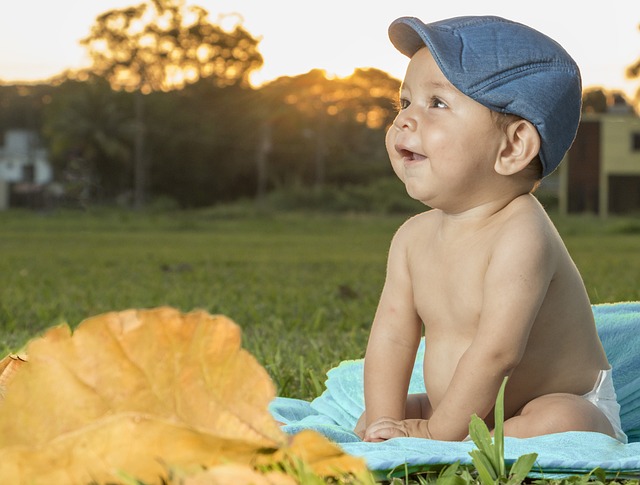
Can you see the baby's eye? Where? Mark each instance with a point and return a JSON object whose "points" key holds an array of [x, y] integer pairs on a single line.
{"points": [[402, 103], [437, 103]]}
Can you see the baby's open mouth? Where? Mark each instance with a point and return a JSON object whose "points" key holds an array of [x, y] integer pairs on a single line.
{"points": [[409, 156]]}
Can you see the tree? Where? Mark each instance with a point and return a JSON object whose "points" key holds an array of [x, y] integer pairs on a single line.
{"points": [[594, 101], [89, 129], [204, 141], [21, 106], [336, 123], [162, 45], [600, 100], [633, 72], [371, 97]]}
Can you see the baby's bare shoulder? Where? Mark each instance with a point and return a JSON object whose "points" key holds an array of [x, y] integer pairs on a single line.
{"points": [[527, 237], [419, 224], [527, 221]]}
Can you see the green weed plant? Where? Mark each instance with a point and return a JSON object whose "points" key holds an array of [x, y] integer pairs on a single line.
{"points": [[488, 458]]}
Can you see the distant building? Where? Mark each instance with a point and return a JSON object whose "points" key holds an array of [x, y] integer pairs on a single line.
{"points": [[24, 168], [601, 172]]}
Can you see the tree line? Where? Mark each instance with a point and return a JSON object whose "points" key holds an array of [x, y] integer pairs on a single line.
{"points": [[205, 143], [166, 111]]}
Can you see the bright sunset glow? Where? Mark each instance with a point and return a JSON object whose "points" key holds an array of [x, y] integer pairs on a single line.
{"points": [[334, 35]]}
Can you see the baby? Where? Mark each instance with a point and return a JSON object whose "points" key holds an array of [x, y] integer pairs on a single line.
{"points": [[488, 107]]}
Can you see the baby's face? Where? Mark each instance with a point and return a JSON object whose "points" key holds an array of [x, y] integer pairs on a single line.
{"points": [[442, 142]]}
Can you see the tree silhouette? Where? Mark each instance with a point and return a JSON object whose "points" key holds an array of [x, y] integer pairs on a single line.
{"points": [[330, 110], [162, 45], [633, 72], [594, 100], [89, 129]]}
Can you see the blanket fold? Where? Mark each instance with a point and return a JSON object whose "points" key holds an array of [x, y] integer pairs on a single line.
{"points": [[336, 411]]}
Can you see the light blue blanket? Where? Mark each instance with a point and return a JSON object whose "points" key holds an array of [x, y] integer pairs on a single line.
{"points": [[336, 411]]}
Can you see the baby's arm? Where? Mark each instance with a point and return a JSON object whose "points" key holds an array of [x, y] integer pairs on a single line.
{"points": [[393, 342], [520, 270]]}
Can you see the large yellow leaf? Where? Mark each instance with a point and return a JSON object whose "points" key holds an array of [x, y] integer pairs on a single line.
{"points": [[8, 368], [322, 456], [236, 474], [137, 393]]}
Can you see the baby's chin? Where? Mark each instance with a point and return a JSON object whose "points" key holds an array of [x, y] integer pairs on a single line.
{"points": [[417, 191]]}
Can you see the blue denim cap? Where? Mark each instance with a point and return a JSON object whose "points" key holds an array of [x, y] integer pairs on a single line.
{"points": [[507, 67]]}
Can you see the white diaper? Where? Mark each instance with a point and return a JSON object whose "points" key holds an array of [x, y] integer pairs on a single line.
{"points": [[603, 395]]}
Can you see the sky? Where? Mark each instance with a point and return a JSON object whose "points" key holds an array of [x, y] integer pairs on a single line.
{"points": [[40, 38]]}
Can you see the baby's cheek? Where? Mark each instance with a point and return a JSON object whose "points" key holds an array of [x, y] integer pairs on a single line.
{"points": [[389, 140], [394, 156]]}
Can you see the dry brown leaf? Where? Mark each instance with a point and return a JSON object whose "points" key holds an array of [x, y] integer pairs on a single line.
{"points": [[236, 474], [134, 391], [321, 455], [8, 368], [138, 445], [139, 393]]}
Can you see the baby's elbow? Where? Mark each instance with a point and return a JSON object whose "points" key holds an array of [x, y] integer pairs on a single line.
{"points": [[503, 360]]}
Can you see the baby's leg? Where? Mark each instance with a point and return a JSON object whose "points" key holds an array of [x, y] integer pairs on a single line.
{"points": [[555, 413], [417, 407]]}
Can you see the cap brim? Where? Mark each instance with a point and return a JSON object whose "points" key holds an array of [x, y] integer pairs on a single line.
{"points": [[404, 35]]}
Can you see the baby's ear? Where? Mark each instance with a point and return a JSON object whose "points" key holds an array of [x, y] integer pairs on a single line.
{"points": [[521, 144]]}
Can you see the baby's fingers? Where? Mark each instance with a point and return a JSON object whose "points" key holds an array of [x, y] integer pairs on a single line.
{"points": [[382, 430], [384, 434]]}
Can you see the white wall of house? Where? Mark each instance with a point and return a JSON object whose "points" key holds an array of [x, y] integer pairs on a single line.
{"points": [[22, 161]]}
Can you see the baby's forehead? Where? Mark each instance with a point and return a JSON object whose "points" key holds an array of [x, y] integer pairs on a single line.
{"points": [[430, 85], [423, 72]]}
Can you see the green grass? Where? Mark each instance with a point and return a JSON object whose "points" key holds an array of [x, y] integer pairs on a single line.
{"points": [[303, 287], [607, 254]]}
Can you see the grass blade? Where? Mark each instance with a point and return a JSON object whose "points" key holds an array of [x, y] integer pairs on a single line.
{"points": [[480, 435], [450, 476], [498, 432], [522, 467], [451, 480], [450, 470], [486, 472]]}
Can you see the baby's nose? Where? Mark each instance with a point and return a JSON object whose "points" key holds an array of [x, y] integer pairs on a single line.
{"points": [[404, 120]]}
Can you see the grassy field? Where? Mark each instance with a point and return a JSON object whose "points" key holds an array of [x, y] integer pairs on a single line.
{"points": [[303, 286]]}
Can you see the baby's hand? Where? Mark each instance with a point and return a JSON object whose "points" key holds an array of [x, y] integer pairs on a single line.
{"points": [[386, 428], [361, 426]]}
